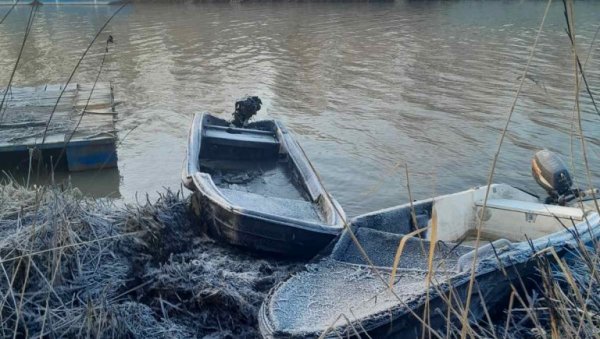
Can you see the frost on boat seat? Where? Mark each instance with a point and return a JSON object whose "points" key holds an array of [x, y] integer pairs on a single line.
{"points": [[534, 208], [297, 209], [240, 138], [381, 248]]}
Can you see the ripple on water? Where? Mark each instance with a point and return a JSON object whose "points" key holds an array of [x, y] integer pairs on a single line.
{"points": [[366, 86]]}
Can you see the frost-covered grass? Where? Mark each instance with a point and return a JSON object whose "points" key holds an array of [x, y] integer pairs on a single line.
{"points": [[73, 267]]}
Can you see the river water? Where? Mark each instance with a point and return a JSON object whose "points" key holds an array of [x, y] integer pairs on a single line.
{"points": [[366, 86]]}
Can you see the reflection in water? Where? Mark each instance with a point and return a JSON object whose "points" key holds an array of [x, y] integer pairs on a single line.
{"points": [[96, 184], [365, 86]]}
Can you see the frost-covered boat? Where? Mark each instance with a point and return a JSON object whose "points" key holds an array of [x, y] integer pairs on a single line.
{"points": [[341, 295], [254, 187]]}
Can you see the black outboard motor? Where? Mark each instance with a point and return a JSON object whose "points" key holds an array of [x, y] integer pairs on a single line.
{"points": [[551, 172], [245, 108]]}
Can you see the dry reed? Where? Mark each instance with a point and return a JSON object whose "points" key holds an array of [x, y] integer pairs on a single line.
{"points": [[73, 267]]}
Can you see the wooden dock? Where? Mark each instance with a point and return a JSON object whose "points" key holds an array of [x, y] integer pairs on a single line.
{"points": [[60, 2], [80, 135]]}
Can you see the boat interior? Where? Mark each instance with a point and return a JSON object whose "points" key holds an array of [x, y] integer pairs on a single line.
{"points": [[511, 215], [253, 169]]}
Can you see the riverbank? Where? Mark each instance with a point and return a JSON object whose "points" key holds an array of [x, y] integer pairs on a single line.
{"points": [[74, 266], [78, 267]]}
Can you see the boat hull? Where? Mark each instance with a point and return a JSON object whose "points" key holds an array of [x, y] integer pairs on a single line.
{"points": [[258, 232], [491, 289], [292, 216], [340, 296]]}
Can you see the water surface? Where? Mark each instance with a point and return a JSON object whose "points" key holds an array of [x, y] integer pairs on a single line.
{"points": [[366, 87]]}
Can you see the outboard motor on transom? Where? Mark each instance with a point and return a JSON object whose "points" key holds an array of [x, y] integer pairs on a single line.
{"points": [[550, 172], [245, 109]]}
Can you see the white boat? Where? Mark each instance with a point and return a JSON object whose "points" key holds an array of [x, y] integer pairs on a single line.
{"points": [[343, 295]]}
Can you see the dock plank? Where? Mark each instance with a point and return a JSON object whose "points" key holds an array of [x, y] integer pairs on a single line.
{"points": [[91, 114]]}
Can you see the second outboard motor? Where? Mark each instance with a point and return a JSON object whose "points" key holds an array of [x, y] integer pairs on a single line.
{"points": [[550, 172]]}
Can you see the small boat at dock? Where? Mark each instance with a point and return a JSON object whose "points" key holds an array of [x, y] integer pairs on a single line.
{"points": [[79, 135], [254, 187], [421, 256]]}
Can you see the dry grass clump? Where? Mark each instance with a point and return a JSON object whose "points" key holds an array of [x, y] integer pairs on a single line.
{"points": [[562, 300], [75, 267], [565, 302]]}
